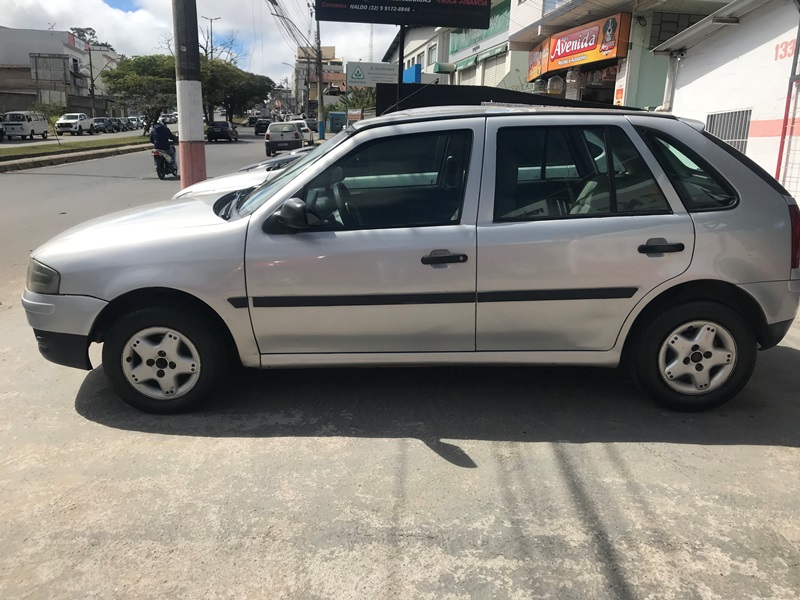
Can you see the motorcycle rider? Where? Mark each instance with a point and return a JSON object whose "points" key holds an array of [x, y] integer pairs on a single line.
{"points": [[161, 136]]}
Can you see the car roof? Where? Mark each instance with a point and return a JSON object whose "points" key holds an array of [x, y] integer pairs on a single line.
{"points": [[434, 113]]}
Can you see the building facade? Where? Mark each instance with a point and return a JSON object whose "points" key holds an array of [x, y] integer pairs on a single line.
{"points": [[619, 68], [53, 67], [733, 71]]}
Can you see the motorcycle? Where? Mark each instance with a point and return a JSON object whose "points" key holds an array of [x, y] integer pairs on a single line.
{"points": [[164, 164]]}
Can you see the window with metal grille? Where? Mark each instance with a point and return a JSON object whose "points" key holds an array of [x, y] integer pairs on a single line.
{"points": [[731, 127]]}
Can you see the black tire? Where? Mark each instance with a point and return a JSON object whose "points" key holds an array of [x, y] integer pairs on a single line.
{"points": [[80, 131], [212, 358], [268, 152], [724, 322], [30, 137], [44, 135], [160, 172]]}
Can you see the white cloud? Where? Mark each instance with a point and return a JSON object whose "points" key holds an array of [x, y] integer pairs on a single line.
{"points": [[141, 31]]}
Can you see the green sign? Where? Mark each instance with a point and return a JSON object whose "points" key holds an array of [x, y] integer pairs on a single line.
{"points": [[461, 39]]}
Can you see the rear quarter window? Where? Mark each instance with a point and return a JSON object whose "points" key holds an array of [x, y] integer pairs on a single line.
{"points": [[700, 186]]}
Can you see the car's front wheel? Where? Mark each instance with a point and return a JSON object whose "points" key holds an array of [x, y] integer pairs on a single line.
{"points": [[695, 356], [163, 360]]}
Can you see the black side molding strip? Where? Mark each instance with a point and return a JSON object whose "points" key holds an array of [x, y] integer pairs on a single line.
{"points": [[455, 298], [368, 300], [238, 302], [540, 295]]}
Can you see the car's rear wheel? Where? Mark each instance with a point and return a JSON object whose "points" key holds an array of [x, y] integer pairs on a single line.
{"points": [[695, 356], [163, 360], [44, 135]]}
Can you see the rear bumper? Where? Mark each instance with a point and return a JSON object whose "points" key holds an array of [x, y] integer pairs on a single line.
{"points": [[771, 335], [287, 145]]}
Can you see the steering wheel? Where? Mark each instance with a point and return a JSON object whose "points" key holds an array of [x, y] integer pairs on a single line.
{"points": [[347, 210]]}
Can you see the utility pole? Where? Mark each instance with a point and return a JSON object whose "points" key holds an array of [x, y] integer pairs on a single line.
{"points": [[192, 149], [320, 101], [91, 77], [211, 35]]}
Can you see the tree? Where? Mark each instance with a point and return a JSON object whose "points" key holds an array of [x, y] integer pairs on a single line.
{"points": [[89, 35], [356, 97], [235, 90], [145, 83]]}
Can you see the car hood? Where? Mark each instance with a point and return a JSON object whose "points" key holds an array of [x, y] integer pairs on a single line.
{"points": [[63, 120], [133, 228], [227, 183]]}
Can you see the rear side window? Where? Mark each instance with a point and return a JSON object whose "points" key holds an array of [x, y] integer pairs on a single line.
{"points": [[569, 172], [699, 186]]}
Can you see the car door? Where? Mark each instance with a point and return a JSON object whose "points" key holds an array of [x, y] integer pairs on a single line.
{"points": [[577, 223], [388, 264]]}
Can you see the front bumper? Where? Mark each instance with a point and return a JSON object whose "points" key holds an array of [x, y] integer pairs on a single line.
{"points": [[64, 349], [62, 325]]}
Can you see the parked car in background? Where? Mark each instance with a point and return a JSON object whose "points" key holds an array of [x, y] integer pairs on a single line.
{"points": [[126, 124], [25, 124], [116, 124], [74, 124], [2, 130], [222, 130], [282, 136], [260, 128], [277, 162], [103, 124], [251, 120], [305, 132]]}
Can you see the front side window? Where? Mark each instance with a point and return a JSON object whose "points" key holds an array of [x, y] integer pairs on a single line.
{"points": [[698, 185], [403, 181], [565, 172]]}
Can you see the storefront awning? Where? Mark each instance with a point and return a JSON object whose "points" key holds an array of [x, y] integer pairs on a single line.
{"points": [[492, 52], [467, 62]]}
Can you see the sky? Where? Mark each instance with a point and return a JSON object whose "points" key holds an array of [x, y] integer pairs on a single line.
{"points": [[136, 27]]}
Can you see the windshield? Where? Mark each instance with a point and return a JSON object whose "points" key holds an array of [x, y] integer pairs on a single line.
{"points": [[13, 118], [71, 117], [268, 189], [219, 124]]}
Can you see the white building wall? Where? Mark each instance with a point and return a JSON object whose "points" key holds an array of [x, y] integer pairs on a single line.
{"points": [[522, 15], [17, 44], [736, 68]]}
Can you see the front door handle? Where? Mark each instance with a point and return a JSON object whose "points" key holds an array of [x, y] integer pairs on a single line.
{"points": [[443, 257], [660, 246]]}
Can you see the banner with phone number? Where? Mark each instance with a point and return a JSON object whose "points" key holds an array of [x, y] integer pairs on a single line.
{"points": [[472, 14]]}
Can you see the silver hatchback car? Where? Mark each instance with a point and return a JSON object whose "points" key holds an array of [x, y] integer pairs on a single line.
{"points": [[456, 235]]}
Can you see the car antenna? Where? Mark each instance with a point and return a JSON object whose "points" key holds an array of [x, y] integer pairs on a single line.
{"points": [[411, 94]]}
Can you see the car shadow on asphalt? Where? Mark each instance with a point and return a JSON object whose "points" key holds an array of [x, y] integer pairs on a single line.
{"points": [[515, 404]]}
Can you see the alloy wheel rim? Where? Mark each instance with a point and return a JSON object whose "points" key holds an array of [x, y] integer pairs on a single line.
{"points": [[697, 357], [161, 363]]}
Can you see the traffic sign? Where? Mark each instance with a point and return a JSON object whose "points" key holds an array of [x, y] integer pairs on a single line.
{"points": [[363, 74]]}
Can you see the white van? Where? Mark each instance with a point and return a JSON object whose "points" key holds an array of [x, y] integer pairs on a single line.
{"points": [[23, 123]]}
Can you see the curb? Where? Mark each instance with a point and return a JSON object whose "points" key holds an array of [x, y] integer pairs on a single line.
{"points": [[69, 157]]}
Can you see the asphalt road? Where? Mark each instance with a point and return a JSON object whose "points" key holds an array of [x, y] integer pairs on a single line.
{"points": [[438, 483]]}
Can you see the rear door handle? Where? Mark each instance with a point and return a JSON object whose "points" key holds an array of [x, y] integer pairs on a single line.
{"points": [[438, 257], [660, 246]]}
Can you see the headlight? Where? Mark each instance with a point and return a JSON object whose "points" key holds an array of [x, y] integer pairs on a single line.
{"points": [[42, 279]]}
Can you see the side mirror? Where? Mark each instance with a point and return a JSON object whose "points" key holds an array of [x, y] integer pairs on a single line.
{"points": [[291, 217]]}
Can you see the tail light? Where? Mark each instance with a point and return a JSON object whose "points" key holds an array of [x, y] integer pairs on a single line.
{"points": [[794, 215], [266, 137]]}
